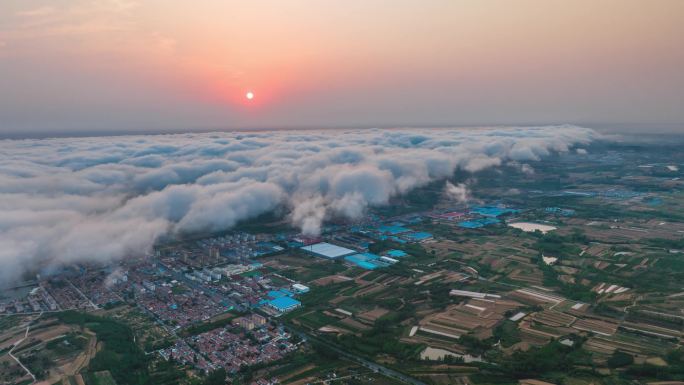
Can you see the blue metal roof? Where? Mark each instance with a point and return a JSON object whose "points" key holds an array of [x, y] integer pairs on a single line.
{"points": [[276, 294], [284, 303], [392, 229], [419, 236], [396, 253]]}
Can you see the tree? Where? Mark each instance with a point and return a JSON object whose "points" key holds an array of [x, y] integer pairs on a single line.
{"points": [[620, 359], [217, 377]]}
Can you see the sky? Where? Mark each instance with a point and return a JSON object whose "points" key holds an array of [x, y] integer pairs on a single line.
{"points": [[108, 65]]}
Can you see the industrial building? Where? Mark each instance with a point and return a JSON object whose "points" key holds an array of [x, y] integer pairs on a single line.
{"points": [[328, 250], [284, 304], [367, 261]]}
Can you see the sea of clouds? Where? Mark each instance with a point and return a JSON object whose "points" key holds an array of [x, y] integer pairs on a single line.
{"points": [[102, 198]]}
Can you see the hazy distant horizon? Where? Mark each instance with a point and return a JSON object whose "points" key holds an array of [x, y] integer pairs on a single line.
{"points": [[640, 129]]}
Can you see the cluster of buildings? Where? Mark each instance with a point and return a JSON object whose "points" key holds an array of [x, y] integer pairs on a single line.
{"points": [[352, 246], [481, 216], [474, 217], [231, 248], [232, 347], [395, 231], [560, 211], [227, 241], [250, 321], [94, 285], [180, 309], [37, 300], [281, 301], [73, 288], [215, 274], [66, 295], [365, 260], [370, 261], [189, 297]]}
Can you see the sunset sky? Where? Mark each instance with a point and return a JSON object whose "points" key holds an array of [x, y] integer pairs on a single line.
{"points": [[75, 65]]}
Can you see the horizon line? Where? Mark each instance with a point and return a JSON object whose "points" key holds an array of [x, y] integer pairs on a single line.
{"points": [[656, 129]]}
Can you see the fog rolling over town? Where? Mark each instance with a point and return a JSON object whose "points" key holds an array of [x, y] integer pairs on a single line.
{"points": [[537, 255], [106, 198], [341, 192]]}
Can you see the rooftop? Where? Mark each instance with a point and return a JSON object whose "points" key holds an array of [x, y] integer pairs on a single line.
{"points": [[284, 303], [396, 253], [328, 250], [392, 229]]}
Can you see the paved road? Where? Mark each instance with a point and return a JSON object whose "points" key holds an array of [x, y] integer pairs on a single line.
{"points": [[362, 361], [16, 344]]}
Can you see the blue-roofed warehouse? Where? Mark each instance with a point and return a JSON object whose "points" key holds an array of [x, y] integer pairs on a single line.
{"points": [[284, 304], [367, 261], [492, 211]]}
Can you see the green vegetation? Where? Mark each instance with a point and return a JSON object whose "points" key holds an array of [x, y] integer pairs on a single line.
{"points": [[315, 320], [552, 244], [217, 377], [179, 289], [225, 320], [317, 269], [102, 378], [674, 371], [120, 355], [9, 321], [507, 333], [620, 359], [551, 362], [324, 294], [382, 338], [575, 292], [70, 343]]}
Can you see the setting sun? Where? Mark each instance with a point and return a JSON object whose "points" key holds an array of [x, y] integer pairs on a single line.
{"points": [[249, 95]]}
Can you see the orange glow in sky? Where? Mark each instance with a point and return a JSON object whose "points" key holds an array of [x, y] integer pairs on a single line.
{"points": [[340, 63]]}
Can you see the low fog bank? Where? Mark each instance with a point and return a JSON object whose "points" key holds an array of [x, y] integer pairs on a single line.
{"points": [[103, 198]]}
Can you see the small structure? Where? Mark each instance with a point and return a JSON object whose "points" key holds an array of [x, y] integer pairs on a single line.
{"points": [[472, 294], [396, 253], [518, 316], [389, 260], [300, 289]]}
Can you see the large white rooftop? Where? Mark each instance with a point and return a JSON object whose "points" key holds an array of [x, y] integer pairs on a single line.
{"points": [[328, 250]]}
